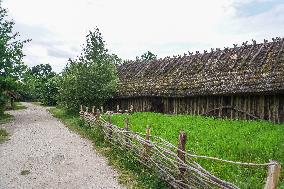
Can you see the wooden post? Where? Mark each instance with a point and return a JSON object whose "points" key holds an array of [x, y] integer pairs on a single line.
{"points": [[147, 144], [102, 109], [273, 175], [181, 150], [110, 131], [117, 108], [81, 108], [98, 115], [131, 109], [126, 127], [93, 109]]}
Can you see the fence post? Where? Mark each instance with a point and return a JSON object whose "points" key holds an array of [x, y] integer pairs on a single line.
{"points": [[102, 109], [81, 108], [147, 144], [93, 109], [126, 127], [181, 150], [273, 175], [98, 116], [110, 128], [117, 108]]}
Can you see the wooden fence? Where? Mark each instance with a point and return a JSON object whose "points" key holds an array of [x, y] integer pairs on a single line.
{"points": [[267, 107], [174, 163]]}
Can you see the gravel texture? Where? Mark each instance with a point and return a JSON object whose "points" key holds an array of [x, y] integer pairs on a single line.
{"points": [[42, 153]]}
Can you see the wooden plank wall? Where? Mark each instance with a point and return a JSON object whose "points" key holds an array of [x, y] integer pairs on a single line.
{"points": [[268, 107]]}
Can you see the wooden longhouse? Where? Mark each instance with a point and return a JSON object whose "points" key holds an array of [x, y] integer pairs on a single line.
{"points": [[244, 82]]}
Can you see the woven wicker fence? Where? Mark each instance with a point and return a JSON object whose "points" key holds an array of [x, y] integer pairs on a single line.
{"points": [[175, 165]]}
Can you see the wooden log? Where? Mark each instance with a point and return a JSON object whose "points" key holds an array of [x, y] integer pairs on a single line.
{"points": [[220, 114], [181, 150], [117, 108], [126, 127], [98, 115], [147, 144], [93, 110], [273, 175], [261, 107], [110, 131]]}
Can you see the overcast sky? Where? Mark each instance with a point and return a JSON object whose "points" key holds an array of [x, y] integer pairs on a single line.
{"points": [[131, 27]]}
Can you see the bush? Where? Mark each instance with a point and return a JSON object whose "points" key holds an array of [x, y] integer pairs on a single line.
{"points": [[50, 92], [91, 79]]}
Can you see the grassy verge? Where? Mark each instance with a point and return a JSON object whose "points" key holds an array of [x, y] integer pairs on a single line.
{"points": [[131, 173], [3, 133], [5, 118], [19, 106], [247, 141]]}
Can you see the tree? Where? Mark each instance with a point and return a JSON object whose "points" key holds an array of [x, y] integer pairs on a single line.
{"points": [[39, 83], [11, 56], [91, 78], [42, 71], [147, 56]]}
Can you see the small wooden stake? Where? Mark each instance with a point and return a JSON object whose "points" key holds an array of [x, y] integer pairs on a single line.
{"points": [[110, 131], [98, 115], [93, 109], [148, 133], [273, 175], [126, 127], [117, 108], [147, 144], [102, 109], [81, 108], [181, 150]]}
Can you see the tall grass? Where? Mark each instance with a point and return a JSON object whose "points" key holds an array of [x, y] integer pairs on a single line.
{"points": [[237, 140]]}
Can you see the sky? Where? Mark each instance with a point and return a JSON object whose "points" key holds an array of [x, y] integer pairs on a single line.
{"points": [[58, 28]]}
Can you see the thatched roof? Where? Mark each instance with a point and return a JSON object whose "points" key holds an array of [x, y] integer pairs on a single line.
{"points": [[250, 68]]}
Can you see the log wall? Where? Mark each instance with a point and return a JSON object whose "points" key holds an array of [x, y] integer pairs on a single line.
{"points": [[267, 107]]}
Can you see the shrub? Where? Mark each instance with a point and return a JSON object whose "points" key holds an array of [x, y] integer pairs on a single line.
{"points": [[91, 78]]}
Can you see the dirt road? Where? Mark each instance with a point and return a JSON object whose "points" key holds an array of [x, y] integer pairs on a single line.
{"points": [[43, 153]]}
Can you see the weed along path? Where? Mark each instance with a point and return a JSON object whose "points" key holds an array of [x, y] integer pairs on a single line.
{"points": [[42, 153]]}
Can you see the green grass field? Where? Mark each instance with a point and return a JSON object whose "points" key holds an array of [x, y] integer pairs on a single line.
{"points": [[247, 141]]}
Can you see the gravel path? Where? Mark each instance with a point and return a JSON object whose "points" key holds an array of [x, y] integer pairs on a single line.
{"points": [[54, 156]]}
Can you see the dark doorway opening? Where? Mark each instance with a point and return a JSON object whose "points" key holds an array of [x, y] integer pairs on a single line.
{"points": [[157, 105]]}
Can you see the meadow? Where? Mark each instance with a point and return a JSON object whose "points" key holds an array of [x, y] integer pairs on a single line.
{"points": [[237, 140]]}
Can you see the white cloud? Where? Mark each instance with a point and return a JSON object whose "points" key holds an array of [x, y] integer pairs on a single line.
{"points": [[131, 27]]}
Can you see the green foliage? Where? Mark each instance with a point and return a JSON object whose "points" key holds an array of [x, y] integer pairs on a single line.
{"points": [[3, 135], [39, 83], [11, 55], [50, 91], [91, 78], [247, 141], [132, 174], [5, 118], [147, 56]]}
